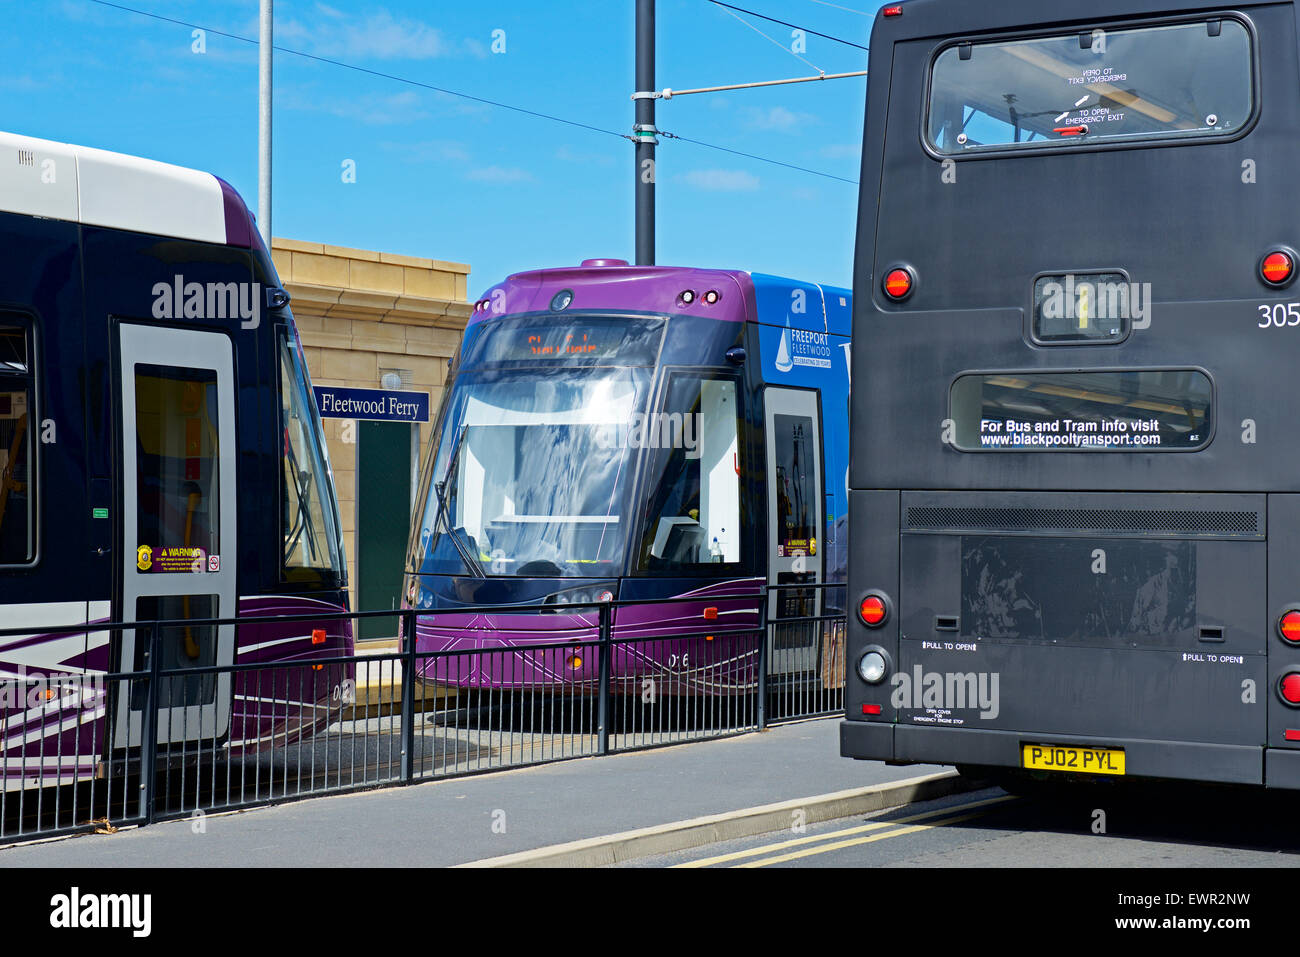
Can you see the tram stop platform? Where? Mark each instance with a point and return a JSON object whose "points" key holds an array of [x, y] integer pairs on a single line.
{"points": [[746, 784]]}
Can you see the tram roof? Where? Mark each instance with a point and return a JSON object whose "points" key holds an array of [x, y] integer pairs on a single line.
{"points": [[99, 188], [613, 284]]}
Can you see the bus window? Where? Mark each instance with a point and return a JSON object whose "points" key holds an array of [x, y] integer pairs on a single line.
{"points": [[1191, 79], [308, 519], [693, 507], [17, 487], [1148, 411]]}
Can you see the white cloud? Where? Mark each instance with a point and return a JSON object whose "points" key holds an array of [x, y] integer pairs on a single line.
{"points": [[376, 35], [372, 109], [426, 151], [722, 180], [778, 119], [499, 175], [573, 156]]}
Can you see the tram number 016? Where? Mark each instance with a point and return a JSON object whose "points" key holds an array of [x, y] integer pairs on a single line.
{"points": [[1279, 315], [682, 660]]}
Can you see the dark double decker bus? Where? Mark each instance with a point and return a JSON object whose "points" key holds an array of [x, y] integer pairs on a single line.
{"points": [[1075, 477]]}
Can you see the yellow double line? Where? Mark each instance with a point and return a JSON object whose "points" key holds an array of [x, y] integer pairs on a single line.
{"points": [[890, 829]]}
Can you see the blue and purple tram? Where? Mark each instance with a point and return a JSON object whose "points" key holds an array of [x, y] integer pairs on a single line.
{"points": [[160, 459], [632, 434]]}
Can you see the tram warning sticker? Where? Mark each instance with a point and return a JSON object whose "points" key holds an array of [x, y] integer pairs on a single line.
{"points": [[172, 560]]}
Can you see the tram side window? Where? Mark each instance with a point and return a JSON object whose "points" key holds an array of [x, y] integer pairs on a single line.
{"points": [[693, 509], [309, 519], [17, 448], [796, 489], [178, 512]]}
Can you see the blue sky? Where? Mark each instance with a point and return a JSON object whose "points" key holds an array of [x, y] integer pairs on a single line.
{"points": [[450, 178]]}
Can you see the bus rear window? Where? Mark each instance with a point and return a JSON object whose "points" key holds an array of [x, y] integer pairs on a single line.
{"points": [[1092, 86], [1147, 411]]}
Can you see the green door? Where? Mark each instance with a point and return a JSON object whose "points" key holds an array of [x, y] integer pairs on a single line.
{"points": [[383, 520]]}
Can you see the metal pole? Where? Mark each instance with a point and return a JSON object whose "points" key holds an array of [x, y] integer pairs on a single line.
{"points": [[264, 51], [765, 626], [644, 132], [408, 696], [149, 723], [605, 663]]}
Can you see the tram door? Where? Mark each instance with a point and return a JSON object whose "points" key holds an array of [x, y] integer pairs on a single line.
{"points": [[178, 526], [795, 503]]}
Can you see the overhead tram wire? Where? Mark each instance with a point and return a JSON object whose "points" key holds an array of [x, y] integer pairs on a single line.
{"points": [[786, 23], [362, 69], [762, 159], [827, 3], [741, 20], [468, 96]]}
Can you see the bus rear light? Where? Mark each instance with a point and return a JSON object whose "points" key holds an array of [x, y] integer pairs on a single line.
{"points": [[872, 667], [1289, 688], [1277, 268], [1289, 627], [1071, 130], [898, 284], [1291, 734], [871, 709], [894, 11], [873, 611]]}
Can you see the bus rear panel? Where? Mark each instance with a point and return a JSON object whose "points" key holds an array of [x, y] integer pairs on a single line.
{"points": [[1075, 494]]}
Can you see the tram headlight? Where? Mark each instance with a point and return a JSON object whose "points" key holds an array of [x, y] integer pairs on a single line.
{"points": [[583, 595], [872, 667]]}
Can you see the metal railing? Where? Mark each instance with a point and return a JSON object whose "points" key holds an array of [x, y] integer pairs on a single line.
{"points": [[110, 750]]}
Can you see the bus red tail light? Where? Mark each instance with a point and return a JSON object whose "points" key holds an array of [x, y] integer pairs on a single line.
{"points": [[1289, 688], [898, 283], [1289, 627], [1277, 268], [873, 611]]}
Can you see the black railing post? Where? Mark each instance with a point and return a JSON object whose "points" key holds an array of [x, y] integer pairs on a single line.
{"points": [[602, 719], [148, 725], [762, 659], [408, 697]]}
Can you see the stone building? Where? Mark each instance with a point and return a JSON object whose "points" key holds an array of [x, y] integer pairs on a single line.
{"points": [[375, 321]]}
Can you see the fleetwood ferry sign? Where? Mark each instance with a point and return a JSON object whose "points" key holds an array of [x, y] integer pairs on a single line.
{"points": [[378, 405]]}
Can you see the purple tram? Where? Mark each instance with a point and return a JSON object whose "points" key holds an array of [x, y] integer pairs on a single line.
{"points": [[670, 440], [160, 459]]}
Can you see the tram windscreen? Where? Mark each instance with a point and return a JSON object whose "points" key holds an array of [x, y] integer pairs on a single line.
{"points": [[532, 473]]}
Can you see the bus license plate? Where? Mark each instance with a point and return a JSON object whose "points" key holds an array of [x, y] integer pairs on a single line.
{"points": [[1045, 757]]}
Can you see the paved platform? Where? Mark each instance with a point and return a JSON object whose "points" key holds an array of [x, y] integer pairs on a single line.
{"points": [[459, 820]]}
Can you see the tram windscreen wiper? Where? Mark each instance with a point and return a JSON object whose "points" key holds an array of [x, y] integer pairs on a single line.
{"points": [[466, 553]]}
